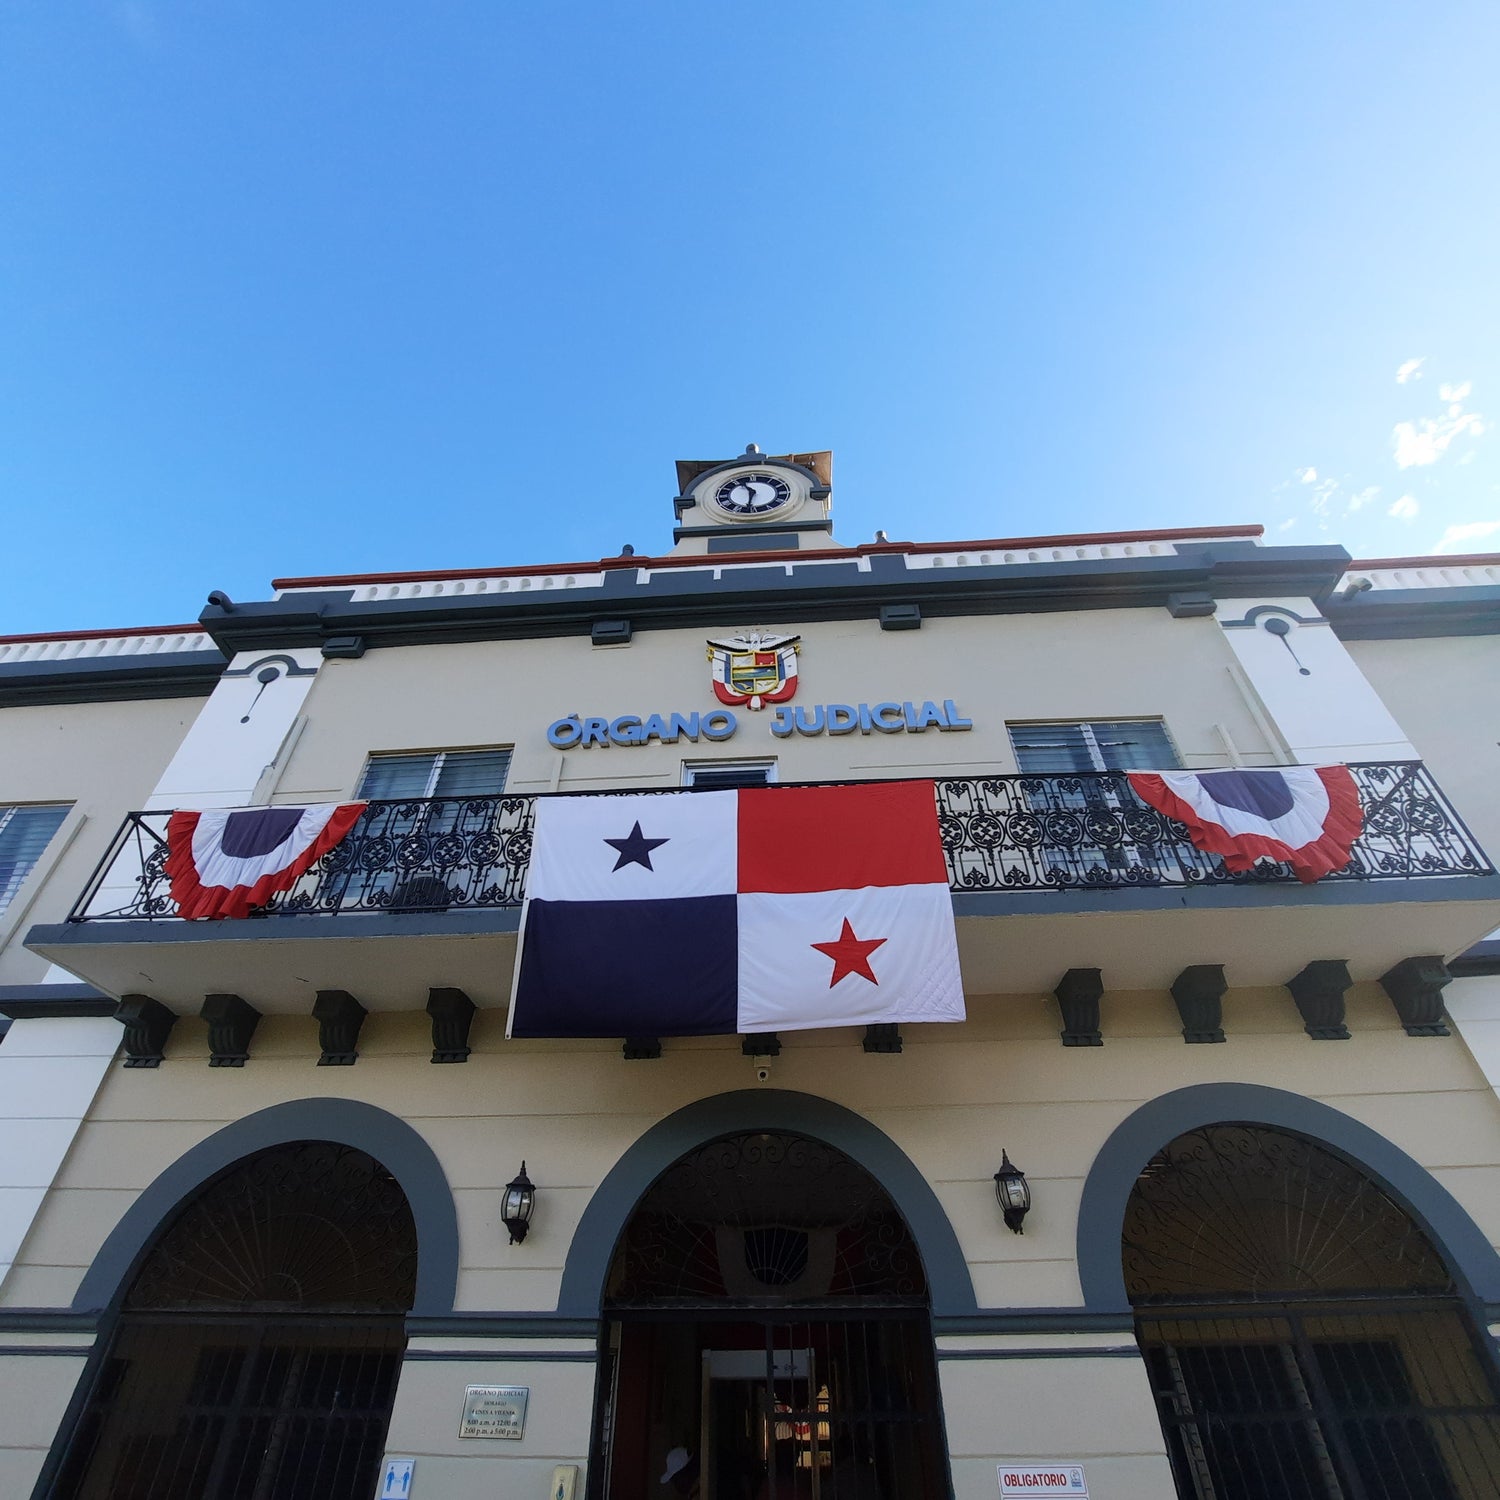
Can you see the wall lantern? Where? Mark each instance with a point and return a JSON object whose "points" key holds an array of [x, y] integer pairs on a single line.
{"points": [[1012, 1193], [520, 1200]]}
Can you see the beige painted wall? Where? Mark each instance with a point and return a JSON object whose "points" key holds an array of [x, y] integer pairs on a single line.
{"points": [[1446, 693], [1088, 664], [954, 1098], [38, 1386], [102, 757], [951, 1102]]}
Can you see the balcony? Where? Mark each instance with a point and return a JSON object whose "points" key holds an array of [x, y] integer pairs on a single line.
{"points": [[1048, 873]]}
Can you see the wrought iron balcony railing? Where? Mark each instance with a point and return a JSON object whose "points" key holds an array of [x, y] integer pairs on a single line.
{"points": [[1000, 833]]}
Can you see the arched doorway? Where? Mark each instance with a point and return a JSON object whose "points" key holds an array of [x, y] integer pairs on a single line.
{"points": [[255, 1353], [1303, 1336], [767, 1312]]}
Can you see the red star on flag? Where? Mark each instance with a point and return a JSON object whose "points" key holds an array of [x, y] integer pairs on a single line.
{"points": [[850, 955]]}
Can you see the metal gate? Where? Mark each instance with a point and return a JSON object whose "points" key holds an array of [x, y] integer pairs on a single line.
{"points": [[238, 1409], [831, 1405], [256, 1354], [1389, 1401]]}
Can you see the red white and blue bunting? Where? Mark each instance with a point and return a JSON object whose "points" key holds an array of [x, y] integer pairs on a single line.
{"points": [[1306, 816], [226, 861]]}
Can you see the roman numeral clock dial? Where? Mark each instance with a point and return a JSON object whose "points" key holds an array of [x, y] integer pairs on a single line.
{"points": [[752, 494]]}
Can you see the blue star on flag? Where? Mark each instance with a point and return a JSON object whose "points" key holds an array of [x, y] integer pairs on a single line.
{"points": [[635, 849]]}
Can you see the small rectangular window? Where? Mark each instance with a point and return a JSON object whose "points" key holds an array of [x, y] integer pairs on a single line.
{"points": [[25, 833], [445, 773], [726, 775], [1105, 745]]}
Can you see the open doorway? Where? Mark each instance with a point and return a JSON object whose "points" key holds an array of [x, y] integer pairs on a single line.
{"points": [[767, 1336]]}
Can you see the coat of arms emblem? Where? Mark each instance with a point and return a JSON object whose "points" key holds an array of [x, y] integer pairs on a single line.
{"points": [[754, 669]]}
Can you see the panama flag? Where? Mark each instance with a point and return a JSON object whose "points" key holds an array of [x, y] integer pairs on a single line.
{"points": [[227, 861], [1307, 816], [765, 909]]}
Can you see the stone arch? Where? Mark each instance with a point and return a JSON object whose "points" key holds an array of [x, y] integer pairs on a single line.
{"points": [[392, 1142], [1101, 1215], [589, 1255]]}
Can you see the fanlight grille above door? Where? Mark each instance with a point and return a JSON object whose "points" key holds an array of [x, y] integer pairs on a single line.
{"points": [[765, 1218], [1244, 1211], [310, 1225]]}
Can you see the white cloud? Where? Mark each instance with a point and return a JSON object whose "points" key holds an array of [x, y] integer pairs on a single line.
{"points": [[1426, 440], [1411, 370], [1307, 476], [1455, 392], [1287, 524], [1457, 538], [1361, 498], [1404, 509]]}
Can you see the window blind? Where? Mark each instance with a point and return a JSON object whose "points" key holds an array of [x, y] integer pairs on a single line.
{"points": [[1109, 745], [448, 773], [24, 833]]}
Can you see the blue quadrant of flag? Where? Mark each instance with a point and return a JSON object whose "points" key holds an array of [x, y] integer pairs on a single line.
{"points": [[627, 968]]}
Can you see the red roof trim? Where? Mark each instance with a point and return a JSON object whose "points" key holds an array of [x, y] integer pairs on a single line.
{"points": [[101, 635], [1432, 560], [719, 559]]}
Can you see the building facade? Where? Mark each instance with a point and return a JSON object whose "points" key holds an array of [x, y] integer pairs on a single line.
{"points": [[254, 1172]]}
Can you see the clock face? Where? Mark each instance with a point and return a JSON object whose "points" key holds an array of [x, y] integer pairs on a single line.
{"points": [[752, 494]]}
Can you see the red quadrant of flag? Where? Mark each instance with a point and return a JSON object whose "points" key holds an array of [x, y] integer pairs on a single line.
{"points": [[819, 838]]}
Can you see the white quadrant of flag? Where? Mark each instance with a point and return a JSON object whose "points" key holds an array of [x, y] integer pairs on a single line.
{"points": [[634, 848], [848, 958]]}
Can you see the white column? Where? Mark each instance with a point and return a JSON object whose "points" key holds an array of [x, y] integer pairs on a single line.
{"points": [[50, 1070], [1298, 674]]}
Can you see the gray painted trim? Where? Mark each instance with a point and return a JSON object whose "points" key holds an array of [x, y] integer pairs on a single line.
{"points": [[1482, 958], [693, 598], [68, 1351], [25, 1002], [1101, 1215], [593, 1245], [499, 1325], [110, 679], [1254, 616], [478, 921], [1121, 1351], [1416, 614], [391, 1141], [498, 1356], [289, 664], [46, 1320], [1034, 1320], [1210, 897], [717, 529]]}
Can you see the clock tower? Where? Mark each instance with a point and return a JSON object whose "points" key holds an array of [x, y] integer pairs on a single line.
{"points": [[754, 503]]}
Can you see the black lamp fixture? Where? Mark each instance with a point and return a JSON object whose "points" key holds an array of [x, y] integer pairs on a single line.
{"points": [[1012, 1193], [520, 1200]]}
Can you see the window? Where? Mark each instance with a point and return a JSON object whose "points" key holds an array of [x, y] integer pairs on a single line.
{"points": [[24, 833], [1115, 745], [725, 775], [448, 773]]}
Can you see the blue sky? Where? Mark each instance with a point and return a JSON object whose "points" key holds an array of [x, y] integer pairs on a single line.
{"points": [[321, 287]]}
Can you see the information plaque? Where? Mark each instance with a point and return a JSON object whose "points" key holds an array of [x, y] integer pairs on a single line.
{"points": [[494, 1411]]}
